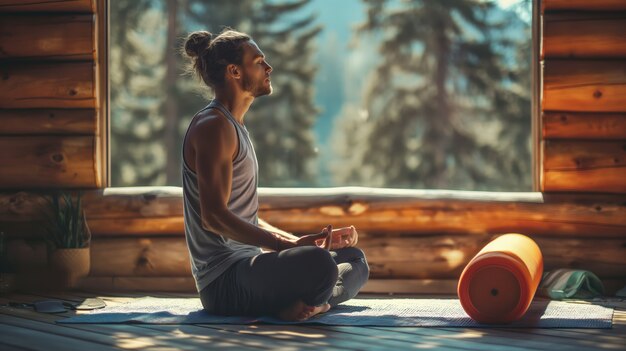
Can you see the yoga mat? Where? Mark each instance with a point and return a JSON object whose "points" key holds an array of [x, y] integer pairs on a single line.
{"points": [[498, 284], [356, 312]]}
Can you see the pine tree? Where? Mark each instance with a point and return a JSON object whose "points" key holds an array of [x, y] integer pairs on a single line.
{"points": [[282, 124], [514, 105], [172, 61], [445, 108], [136, 78]]}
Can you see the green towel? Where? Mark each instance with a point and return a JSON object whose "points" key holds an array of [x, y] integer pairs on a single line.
{"points": [[570, 284]]}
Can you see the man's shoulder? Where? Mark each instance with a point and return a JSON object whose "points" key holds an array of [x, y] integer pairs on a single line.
{"points": [[212, 131], [212, 121]]}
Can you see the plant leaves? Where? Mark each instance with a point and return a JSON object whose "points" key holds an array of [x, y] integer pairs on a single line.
{"points": [[65, 222]]}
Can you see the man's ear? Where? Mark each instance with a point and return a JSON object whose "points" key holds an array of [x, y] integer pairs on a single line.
{"points": [[234, 71]]}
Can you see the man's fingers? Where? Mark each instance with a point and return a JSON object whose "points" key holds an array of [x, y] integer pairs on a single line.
{"points": [[342, 231], [321, 235], [343, 237], [351, 236], [329, 237], [355, 236], [323, 238], [341, 234], [346, 231]]}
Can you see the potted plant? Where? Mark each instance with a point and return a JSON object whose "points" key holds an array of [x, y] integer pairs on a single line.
{"points": [[7, 274], [68, 237]]}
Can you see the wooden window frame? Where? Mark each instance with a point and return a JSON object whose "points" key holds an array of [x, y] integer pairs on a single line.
{"points": [[537, 88], [103, 134]]}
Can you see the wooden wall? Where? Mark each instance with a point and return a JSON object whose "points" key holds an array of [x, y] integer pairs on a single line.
{"points": [[584, 96], [415, 240], [52, 119]]}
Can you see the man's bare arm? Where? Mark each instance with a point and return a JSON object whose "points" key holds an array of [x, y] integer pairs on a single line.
{"points": [[215, 146], [264, 225], [341, 237]]}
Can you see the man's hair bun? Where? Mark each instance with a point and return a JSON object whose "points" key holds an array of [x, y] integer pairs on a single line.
{"points": [[197, 42]]}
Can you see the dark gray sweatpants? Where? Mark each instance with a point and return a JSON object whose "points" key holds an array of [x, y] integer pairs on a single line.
{"points": [[269, 282]]}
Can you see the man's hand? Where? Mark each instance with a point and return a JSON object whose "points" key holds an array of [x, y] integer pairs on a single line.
{"points": [[321, 239], [343, 237]]}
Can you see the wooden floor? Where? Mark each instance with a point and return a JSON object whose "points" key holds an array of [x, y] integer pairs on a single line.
{"points": [[24, 329]]}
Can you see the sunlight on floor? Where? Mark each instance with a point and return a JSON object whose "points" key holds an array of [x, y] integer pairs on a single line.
{"points": [[285, 332], [468, 334], [134, 343]]}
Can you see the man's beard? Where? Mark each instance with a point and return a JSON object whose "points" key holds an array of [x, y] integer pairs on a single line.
{"points": [[259, 89]]}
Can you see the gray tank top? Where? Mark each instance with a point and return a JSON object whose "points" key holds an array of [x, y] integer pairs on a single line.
{"points": [[211, 253]]}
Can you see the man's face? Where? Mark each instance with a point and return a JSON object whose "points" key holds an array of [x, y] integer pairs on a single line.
{"points": [[256, 71]]}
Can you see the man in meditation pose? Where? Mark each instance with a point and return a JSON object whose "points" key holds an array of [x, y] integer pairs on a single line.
{"points": [[294, 278]]}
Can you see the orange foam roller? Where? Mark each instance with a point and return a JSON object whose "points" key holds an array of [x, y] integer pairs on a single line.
{"points": [[499, 283]]}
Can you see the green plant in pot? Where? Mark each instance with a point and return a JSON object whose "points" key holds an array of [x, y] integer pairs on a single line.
{"points": [[7, 273], [68, 237]]}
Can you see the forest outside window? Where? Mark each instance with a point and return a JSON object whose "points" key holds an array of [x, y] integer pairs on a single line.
{"points": [[379, 93]]}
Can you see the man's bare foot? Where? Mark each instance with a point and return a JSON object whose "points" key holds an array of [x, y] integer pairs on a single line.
{"points": [[300, 311]]}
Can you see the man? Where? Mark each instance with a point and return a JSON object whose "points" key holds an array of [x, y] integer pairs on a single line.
{"points": [[296, 277]]}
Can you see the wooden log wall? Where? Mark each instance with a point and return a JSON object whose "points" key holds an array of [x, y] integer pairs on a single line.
{"points": [[584, 96], [51, 95], [407, 235]]}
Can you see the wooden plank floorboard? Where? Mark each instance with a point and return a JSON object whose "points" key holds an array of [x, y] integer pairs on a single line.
{"points": [[580, 334], [584, 338], [7, 347], [132, 337], [82, 334], [325, 337], [193, 331], [523, 339], [459, 338], [33, 339]]}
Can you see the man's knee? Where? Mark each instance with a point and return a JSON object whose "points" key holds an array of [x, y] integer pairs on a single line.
{"points": [[357, 256]]}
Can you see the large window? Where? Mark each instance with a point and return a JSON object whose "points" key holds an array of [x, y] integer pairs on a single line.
{"points": [[401, 94]]}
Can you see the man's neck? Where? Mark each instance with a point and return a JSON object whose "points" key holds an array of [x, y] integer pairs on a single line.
{"points": [[237, 104]]}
